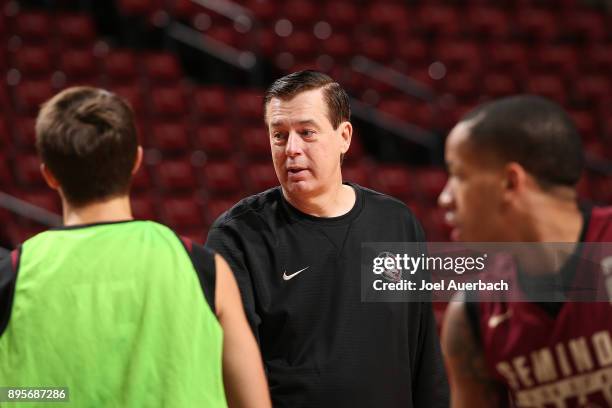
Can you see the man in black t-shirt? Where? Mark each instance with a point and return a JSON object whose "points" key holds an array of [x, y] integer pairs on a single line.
{"points": [[295, 251]]}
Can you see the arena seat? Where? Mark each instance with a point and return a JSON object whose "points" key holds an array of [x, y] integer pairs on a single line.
{"points": [[176, 174], [181, 211], [211, 103], [215, 139]]}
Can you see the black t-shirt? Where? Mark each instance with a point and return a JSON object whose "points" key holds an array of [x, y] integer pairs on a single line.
{"points": [[300, 280]]}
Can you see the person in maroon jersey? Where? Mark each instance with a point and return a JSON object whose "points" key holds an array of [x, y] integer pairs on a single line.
{"points": [[514, 165]]}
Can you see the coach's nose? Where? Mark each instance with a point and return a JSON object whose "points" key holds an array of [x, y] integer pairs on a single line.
{"points": [[294, 145]]}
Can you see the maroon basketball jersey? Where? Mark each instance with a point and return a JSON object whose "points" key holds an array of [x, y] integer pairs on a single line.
{"points": [[554, 361]]}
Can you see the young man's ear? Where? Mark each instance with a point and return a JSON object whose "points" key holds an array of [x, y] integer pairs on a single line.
{"points": [[138, 160], [49, 177], [515, 179]]}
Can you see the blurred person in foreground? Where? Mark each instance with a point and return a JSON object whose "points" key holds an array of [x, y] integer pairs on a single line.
{"points": [[123, 312], [295, 250], [514, 165]]}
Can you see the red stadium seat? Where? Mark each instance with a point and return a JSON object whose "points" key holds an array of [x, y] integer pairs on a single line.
{"points": [[592, 89], [143, 207], [43, 198], [22, 233], [488, 22], [176, 175], [388, 16], [264, 10], [439, 19], [179, 211], [211, 102], [225, 34], [549, 86], [499, 85], [538, 24], [587, 25], [121, 66], [339, 46], [399, 108], [301, 44], [461, 84], [168, 101], [375, 47], [413, 51], [267, 41], [255, 142], [6, 175], [260, 177], [402, 109], [507, 57], [76, 29], [170, 136], [301, 12], [395, 180], [217, 206], [5, 136], [561, 59], [431, 181], [215, 140], [340, 13], [357, 173], [163, 67], [27, 171], [598, 59], [34, 61], [30, 94], [133, 95], [595, 149], [601, 189], [222, 177], [24, 133], [33, 26], [249, 104], [585, 123], [459, 55], [424, 116], [185, 9], [79, 64], [138, 7]]}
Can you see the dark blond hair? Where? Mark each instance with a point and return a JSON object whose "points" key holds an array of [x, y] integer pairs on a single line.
{"points": [[87, 139]]}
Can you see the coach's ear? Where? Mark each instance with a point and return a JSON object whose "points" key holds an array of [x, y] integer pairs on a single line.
{"points": [[49, 177], [346, 132], [138, 160]]}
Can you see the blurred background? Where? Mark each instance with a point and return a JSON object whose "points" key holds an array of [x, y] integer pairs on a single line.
{"points": [[195, 70]]}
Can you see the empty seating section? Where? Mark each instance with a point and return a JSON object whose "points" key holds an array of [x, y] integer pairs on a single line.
{"points": [[206, 145]]}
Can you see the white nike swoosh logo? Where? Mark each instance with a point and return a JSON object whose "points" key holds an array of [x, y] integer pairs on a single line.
{"points": [[496, 320], [287, 277]]}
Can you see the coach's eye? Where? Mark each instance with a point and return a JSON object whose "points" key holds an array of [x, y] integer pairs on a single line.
{"points": [[307, 132], [278, 135]]}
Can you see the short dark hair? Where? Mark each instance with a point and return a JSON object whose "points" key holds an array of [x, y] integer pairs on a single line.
{"points": [[87, 139], [338, 106], [532, 131]]}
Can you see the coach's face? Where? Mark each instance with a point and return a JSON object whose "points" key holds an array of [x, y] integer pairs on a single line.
{"points": [[305, 147], [473, 195]]}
